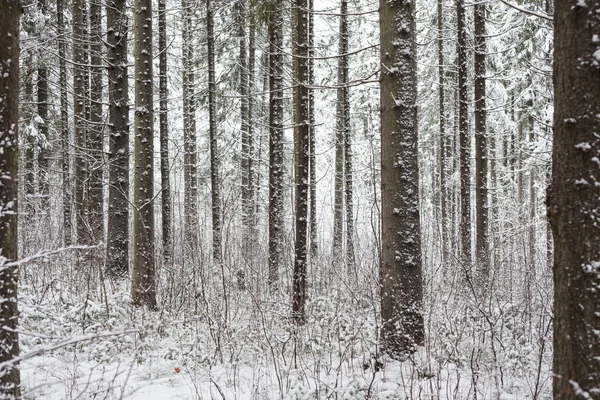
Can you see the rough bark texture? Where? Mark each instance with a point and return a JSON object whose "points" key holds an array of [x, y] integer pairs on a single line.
{"points": [[301, 132], [189, 133], [10, 379], [214, 148], [311, 137], [443, 140], [95, 132], [64, 126], [43, 139], [165, 182], [117, 246], [143, 287], [341, 131], [481, 181], [400, 271], [275, 139], [464, 142], [79, 118], [574, 200]]}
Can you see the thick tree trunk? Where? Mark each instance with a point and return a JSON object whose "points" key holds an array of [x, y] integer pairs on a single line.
{"points": [[573, 201], [341, 130], [10, 378], [95, 132], [189, 134], [79, 117], [275, 139], [443, 140], [117, 246], [64, 126], [143, 287], [43, 138], [481, 180], [400, 271], [464, 142], [165, 182], [246, 173], [301, 133], [214, 148], [311, 136]]}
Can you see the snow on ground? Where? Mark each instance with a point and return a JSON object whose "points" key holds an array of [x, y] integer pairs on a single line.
{"points": [[259, 354]]}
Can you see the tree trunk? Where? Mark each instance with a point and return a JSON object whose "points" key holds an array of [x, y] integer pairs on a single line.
{"points": [[464, 142], [341, 130], [481, 181], [165, 182], [79, 117], [214, 148], [247, 205], [573, 201], [443, 140], [10, 378], [64, 126], [189, 134], [400, 271], [301, 133], [43, 138], [94, 137], [117, 246], [311, 136], [275, 139], [143, 287]]}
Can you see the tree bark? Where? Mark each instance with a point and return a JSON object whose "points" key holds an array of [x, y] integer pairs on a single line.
{"points": [[481, 164], [95, 133], [311, 136], [165, 182], [79, 117], [64, 126], [189, 134], [117, 246], [341, 130], [301, 133], [443, 153], [43, 138], [573, 201], [10, 378], [400, 271], [464, 142], [275, 139], [143, 287], [214, 148]]}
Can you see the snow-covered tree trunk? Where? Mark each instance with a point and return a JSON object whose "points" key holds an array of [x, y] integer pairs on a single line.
{"points": [[311, 135], [165, 182], [400, 270], [95, 135], [215, 180], [301, 133], [10, 378], [275, 12], [481, 150], [574, 200], [464, 142], [117, 246], [143, 287], [64, 126]]}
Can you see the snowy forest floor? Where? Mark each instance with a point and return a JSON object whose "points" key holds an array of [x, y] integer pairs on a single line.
{"points": [[75, 349]]}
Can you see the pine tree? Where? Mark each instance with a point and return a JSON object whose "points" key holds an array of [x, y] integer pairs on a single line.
{"points": [[275, 35], [117, 247], [400, 271], [301, 133], [573, 201], [10, 378], [143, 287]]}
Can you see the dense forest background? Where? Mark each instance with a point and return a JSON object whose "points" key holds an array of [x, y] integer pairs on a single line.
{"points": [[201, 199]]}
